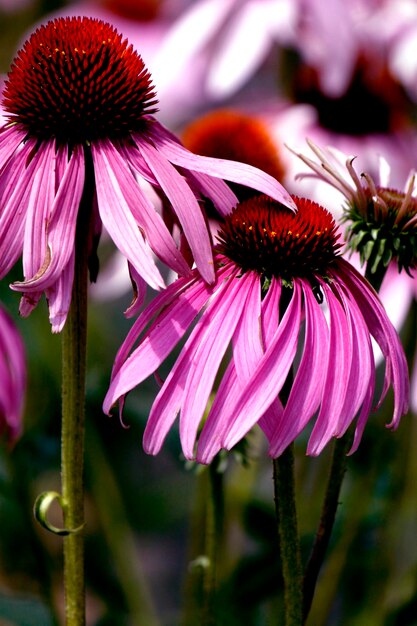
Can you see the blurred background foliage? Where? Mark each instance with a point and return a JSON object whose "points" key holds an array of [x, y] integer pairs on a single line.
{"points": [[146, 516]]}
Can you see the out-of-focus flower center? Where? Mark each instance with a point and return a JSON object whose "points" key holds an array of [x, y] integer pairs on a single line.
{"points": [[229, 134], [141, 11], [373, 102], [263, 235], [75, 79]]}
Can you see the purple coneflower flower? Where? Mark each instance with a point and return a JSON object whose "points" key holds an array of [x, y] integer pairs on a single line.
{"points": [[274, 269], [13, 378], [78, 102]]}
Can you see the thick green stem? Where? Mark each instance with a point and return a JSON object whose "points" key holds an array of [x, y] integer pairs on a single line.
{"points": [[327, 519], [284, 492], [74, 340]]}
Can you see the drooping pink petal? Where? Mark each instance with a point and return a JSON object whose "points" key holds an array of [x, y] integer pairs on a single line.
{"points": [[185, 206], [10, 139], [13, 377], [210, 441], [216, 190], [231, 387], [307, 388], [39, 210], [220, 168], [118, 219], [362, 362], [39, 205], [269, 376], [174, 312], [14, 193], [149, 220], [336, 377], [247, 346], [385, 335], [60, 226], [139, 292], [216, 330], [269, 322], [169, 400], [59, 297]]}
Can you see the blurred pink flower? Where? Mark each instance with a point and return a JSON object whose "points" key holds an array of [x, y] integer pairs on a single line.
{"points": [[274, 268], [222, 44], [13, 378], [78, 104]]}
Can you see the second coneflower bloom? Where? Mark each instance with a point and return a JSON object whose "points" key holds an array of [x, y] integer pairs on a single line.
{"points": [[381, 221], [79, 131], [275, 272]]}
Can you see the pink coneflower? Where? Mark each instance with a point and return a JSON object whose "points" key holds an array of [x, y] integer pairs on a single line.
{"points": [[274, 269], [13, 378], [78, 101]]}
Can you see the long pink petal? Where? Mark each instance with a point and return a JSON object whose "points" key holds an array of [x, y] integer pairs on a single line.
{"points": [[307, 388], [61, 228], [232, 387], [13, 377], [384, 333], [162, 336], [147, 218], [247, 340], [216, 190], [362, 362], [211, 437], [269, 376], [118, 219], [217, 329], [16, 185], [337, 375], [10, 139], [220, 168], [185, 206], [39, 210], [169, 400], [59, 296]]}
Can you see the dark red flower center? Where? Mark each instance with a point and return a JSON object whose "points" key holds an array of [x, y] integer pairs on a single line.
{"points": [[267, 237], [374, 102], [141, 11], [229, 134], [77, 80]]}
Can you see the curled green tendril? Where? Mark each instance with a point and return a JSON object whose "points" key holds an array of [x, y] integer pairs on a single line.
{"points": [[41, 508]]}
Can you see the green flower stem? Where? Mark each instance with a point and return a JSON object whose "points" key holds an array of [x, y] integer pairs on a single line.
{"points": [[284, 493], [74, 343], [328, 515], [214, 531]]}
